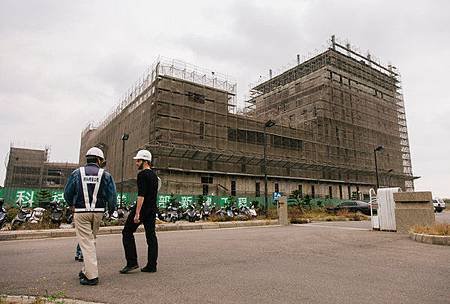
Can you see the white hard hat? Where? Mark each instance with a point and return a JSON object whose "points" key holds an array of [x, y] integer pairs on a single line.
{"points": [[144, 155], [94, 151]]}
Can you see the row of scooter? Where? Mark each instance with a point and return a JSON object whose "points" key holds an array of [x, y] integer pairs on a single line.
{"points": [[175, 212], [58, 215]]}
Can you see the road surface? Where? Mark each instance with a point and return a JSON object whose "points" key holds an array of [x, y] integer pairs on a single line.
{"points": [[313, 263]]}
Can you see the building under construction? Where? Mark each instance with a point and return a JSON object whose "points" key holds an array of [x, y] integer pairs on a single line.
{"points": [[320, 125], [30, 168]]}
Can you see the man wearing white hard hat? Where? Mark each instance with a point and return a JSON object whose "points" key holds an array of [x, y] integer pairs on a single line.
{"points": [[143, 212], [90, 190]]}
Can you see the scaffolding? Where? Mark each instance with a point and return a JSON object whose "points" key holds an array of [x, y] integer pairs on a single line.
{"points": [[331, 110], [164, 66], [25, 166], [28, 165], [349, 102]]}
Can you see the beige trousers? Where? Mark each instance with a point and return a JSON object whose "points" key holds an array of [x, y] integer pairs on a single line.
{"points": [[86, 228]]}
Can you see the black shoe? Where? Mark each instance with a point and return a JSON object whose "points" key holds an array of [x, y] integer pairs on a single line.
{"points": [[86, 281], [148, 269], [81, 275], [127, 269], [80, 259], [76, 258]]}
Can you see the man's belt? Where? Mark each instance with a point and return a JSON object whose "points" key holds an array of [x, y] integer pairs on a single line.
{"points": [[89, 209]]}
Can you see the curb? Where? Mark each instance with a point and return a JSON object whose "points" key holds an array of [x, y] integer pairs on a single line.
{"points": [[54, 233], [430, 239], [32, 300]]}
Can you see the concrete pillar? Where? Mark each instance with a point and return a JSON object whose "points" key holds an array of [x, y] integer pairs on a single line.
{"points": [[283, 211], [413, 208]]}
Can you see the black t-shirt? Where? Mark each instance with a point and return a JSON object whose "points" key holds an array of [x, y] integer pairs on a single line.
{"points": [[147, 183]]}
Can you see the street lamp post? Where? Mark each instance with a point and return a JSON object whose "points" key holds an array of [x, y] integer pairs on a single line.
{"points": [[268, 124], [124, 138], [379, 148]]}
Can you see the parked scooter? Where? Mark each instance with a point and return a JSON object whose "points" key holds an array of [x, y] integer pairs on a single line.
{"points": [[191, 214], [22, 216], [56, 212], [109, 217], [68, 215], [221, 212], [2, 213], [37, 215], [231, 210], [205, 211], [122, 213], [171, 214], [248, 211], [118, 214], [252, 211]]}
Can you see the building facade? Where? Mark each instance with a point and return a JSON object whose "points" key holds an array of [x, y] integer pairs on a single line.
{"points": [[330, 115], [30, 168]]}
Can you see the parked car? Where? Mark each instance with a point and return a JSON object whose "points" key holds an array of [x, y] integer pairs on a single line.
{"points": [[351, 206], [438, 204]]}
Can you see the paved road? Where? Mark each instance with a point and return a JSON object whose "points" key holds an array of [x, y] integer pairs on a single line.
{"points": [[314, 263], [443, 217]]}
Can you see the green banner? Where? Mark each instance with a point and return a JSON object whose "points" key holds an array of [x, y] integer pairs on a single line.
{"points": [[218, 201], [29, 198]]}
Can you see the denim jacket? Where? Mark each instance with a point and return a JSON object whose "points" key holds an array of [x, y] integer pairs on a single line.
{"points": [[106, 198]]}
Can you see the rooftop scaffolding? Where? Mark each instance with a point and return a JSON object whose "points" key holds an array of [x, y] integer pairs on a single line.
{"points": [[174, 68]]}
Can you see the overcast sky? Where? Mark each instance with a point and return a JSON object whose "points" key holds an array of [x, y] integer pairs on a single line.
{"points": [[65, 63]]}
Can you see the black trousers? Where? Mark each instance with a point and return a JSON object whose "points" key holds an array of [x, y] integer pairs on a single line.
{"points": [[129, 243]]}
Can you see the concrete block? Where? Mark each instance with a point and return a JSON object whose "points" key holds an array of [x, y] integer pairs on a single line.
{"points": [[407, 218], [424, 196], [414, 205]]}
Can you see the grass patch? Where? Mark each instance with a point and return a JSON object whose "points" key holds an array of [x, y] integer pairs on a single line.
{"points": [[436, 229], [300, 215]]}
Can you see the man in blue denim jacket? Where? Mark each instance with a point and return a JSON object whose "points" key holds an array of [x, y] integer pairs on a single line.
{"points": [[90, 190]]}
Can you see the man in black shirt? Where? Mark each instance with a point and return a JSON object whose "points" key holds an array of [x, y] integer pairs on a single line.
{"points": [[144, 212]]}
